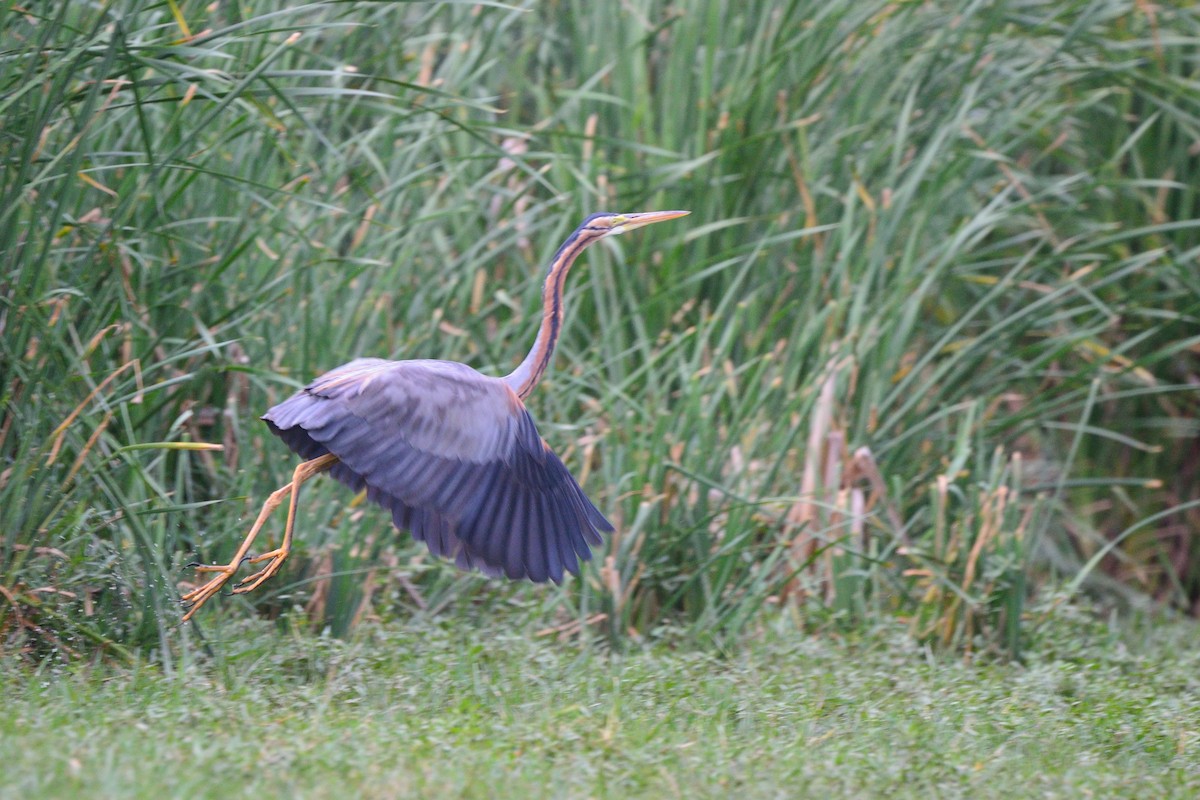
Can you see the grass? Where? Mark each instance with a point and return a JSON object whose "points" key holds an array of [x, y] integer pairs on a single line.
{"points": [[924, 350], [464, 708]]}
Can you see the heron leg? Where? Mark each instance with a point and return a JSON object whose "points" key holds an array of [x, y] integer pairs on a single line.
{"points": [[276, 557], [199, 596]]}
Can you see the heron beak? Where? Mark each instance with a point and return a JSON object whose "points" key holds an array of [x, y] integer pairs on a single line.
{"points": [[641, 219]]}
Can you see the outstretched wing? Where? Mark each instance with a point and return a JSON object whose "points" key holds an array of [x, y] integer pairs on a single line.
{"points": [[456, 458]]}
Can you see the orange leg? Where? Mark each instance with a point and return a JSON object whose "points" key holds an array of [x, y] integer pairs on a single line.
{"points": [[199, 596]]}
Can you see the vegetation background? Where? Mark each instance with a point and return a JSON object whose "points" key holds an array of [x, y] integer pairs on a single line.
{"points": [[925, 354], [900, 429]]}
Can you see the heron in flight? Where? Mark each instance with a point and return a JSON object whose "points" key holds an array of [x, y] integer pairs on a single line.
{"points": [[453, 454]]}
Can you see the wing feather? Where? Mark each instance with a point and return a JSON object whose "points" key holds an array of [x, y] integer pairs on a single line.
{"points": [[570, 542], [454, 456], [510, 535], [534, 550], [485, 491], [581, 529], [558, 548]]}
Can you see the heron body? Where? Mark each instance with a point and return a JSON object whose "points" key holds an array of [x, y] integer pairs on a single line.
{"points": [[453, 454]]}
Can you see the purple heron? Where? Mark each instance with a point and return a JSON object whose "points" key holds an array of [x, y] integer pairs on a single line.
{"points": [[453, 454]]}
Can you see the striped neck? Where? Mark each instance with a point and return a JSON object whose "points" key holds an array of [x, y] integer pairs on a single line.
{"points": [[527, 374]]}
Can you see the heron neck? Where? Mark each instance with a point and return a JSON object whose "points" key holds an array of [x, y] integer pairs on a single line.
{"points": [[527, 374]]}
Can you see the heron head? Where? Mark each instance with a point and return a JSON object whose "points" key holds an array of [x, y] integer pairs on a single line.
{"points": [[608, 224]]}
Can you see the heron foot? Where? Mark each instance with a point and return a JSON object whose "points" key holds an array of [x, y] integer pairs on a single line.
{"points": [[274, 559], [194, 599], [197, 597]]}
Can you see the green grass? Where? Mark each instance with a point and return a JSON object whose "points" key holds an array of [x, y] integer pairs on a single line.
{"points": [[959, 239], [463, 708]]}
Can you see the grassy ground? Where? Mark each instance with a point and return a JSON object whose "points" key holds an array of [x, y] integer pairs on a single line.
{"points": [[455, 710], [929, 333]]}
